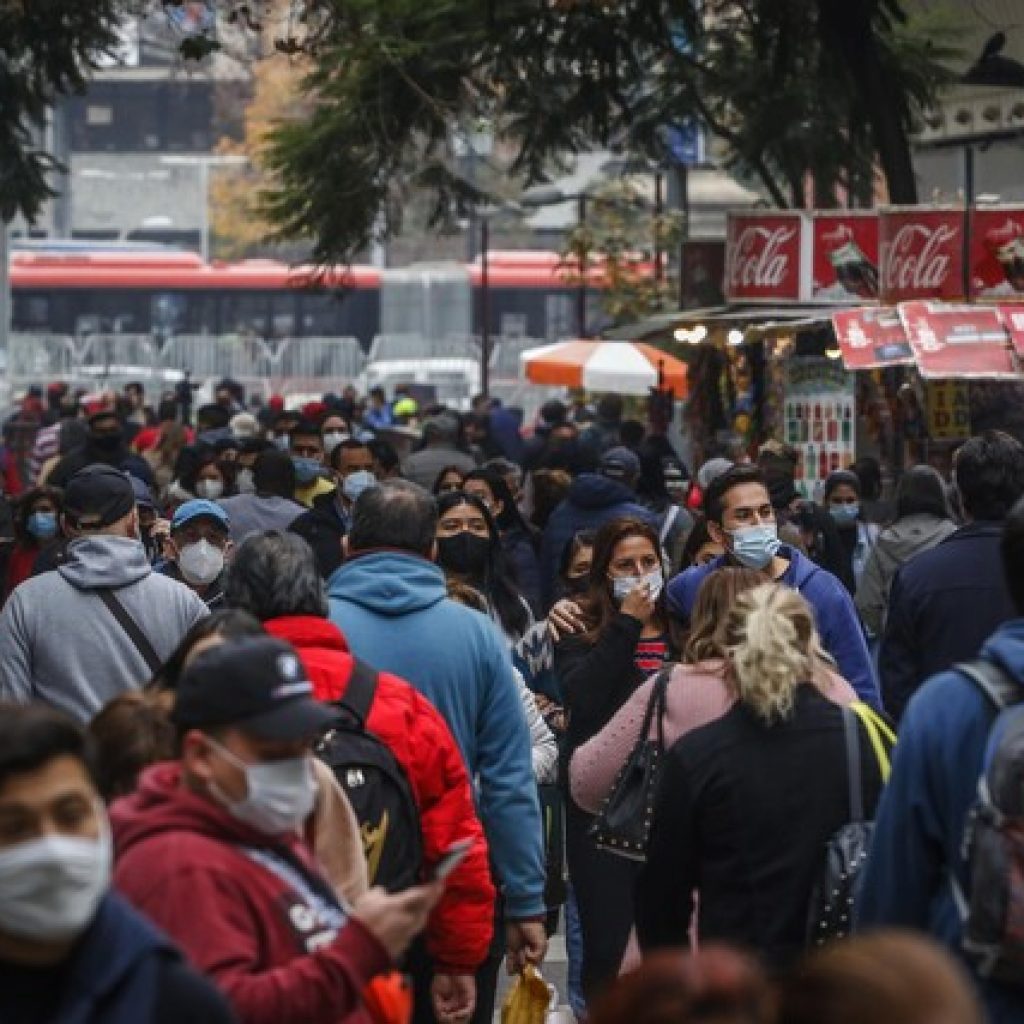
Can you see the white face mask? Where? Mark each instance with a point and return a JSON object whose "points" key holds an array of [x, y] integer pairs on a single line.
{"points": [[333, 438], [200, 563], [280, 796], [211, 489], [622, 585], [50, 888], [245, 482]]}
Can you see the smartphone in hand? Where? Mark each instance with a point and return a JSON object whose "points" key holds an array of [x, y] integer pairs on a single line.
{"points": [[451, 859]]}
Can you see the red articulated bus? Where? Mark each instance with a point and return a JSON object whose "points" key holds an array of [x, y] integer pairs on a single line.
{"points": [[80, 288]]}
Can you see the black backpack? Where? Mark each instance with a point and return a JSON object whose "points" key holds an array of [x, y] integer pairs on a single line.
{"points": [[993, 845], [377, 787]]}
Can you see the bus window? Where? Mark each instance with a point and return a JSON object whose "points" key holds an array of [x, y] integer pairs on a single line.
{"points": [[283, 315], [319, 314], [245, 313], [30, 313], [167, 313]]}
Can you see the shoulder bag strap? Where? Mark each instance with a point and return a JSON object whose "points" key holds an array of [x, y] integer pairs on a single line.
{"points": [[132, 628], [656, 706], [851, 733], [1000, 688], [362, 686], [879, 733], [670, 517]]}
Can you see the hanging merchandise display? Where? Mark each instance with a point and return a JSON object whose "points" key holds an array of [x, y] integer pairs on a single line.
{"points": [[819, 419]]}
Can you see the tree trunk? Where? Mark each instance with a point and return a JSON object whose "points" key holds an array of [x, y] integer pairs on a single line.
{"points": [[848, 32]]}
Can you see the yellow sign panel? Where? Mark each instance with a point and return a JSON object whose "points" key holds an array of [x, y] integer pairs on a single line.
{"points": [[949, 410]]}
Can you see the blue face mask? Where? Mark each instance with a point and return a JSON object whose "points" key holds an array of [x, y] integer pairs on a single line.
{"points": [[42, 525], [755, 546], [844, 515], [306, 470]]}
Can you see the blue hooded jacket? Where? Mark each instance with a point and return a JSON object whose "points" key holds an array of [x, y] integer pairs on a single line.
{"points": [[919, 825], [395, 613], [841, 632], [592, 501], [121, 968]]}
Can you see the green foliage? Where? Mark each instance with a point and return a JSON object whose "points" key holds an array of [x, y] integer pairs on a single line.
{"points": [[624, 237], [797, 91], [46, 49]]}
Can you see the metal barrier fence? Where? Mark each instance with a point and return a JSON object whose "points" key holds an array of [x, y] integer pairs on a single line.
{"points": [[291, 366]]}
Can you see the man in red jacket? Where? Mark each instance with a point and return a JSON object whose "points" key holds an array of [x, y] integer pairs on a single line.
{"points": [[274, 576], [209, 848]]}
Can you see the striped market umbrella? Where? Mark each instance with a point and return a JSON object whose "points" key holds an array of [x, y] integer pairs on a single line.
{"points": [[628, 367]]}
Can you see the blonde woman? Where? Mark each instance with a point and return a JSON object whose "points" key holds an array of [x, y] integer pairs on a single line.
{"points": [[747, 804], [699, 690]]}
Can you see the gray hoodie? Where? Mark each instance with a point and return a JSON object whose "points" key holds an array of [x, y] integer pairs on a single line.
{"points": [[60, 644], [896, 545]]}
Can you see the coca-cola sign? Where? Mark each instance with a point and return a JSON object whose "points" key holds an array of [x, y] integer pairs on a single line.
{"points": [[845, 260], [871, 337], [997, 253], [763, 256], [952, 340], [920, 254]]}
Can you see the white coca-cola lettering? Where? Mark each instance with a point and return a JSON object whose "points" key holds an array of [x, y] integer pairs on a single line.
{"points": [[916, 258], [838, 236], [757, 261]]}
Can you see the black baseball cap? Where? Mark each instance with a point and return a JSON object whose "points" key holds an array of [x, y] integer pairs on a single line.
{"points": [[97, 496], [256, 684]]}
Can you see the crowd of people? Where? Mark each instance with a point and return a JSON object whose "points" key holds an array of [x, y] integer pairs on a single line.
{"points": [[319, 714]]}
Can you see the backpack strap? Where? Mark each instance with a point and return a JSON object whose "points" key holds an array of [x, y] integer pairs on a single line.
{"points": [[994, 682], [851, 734], [361, 689], [132, 628]]}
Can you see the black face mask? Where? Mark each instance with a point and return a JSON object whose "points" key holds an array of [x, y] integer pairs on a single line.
{"points": [[464, 553], [577, 585], [106, 442]]}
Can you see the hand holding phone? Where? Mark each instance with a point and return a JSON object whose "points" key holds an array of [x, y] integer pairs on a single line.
{"points": [[451, 859]]}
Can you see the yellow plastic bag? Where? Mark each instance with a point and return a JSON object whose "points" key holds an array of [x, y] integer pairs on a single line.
{"points": [[527, 999]]}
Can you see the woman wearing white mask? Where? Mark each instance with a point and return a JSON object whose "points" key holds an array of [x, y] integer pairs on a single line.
{"points": [[197, 549], [627, 636], [70, 950]]}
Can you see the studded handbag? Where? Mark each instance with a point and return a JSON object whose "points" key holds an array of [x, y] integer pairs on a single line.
{"points": [[830, 911], [623, 825]]}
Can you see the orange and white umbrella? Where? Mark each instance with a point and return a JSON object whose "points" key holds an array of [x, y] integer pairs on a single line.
{"points": [[629, 368]]}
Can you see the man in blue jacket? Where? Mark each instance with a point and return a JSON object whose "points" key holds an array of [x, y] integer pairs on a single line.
{"points": [[919, 826], [70, 948], [391, 601], [593, 499], [946, 601], [741, 519]]}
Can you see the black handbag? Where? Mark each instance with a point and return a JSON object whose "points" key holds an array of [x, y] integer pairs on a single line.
{"points": [[830, 913], [623, 825]]}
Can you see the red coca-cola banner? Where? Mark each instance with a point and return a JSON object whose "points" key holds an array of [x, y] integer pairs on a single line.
{"points": [[997, 253], [763, 256], [1013, 321], [952, 340], [920, 253], [870, 337], [845, 256]]}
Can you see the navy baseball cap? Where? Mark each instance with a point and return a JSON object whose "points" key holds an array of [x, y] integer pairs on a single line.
{"points": [[97, 496], [256, 684], [197, 507], [620, 464]]}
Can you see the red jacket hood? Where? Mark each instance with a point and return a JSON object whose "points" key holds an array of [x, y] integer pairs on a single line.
{"points": [[307, 631], [160, 804]]}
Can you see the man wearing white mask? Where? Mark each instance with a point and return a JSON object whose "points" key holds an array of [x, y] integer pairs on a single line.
{"points": [[210, 847], [741, 518], [103, 621], [70, 948], [324, 525], [198, 547]]}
